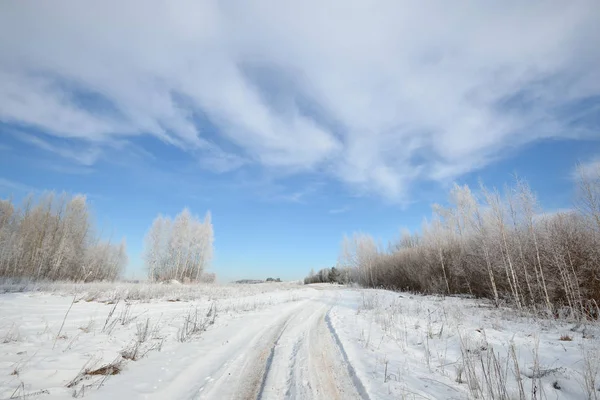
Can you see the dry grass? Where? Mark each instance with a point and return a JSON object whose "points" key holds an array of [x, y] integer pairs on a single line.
{"points": [[194, 323], [89, 369], [591, 372], [112, 292], [487, 365], [12, 335], [110, 369]]}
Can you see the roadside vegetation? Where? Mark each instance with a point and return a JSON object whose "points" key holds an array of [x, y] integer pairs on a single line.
{"points": [[493, 244]]}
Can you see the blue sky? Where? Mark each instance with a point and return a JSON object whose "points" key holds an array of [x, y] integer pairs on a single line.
{"points": [[293, 124]]}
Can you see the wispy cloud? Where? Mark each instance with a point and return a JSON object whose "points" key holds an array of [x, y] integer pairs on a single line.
{"points": [[269, 190], [9, 185], [340, 210], [299, 196], [424, 91], [219, 161], [71, 170], [86, 155]]}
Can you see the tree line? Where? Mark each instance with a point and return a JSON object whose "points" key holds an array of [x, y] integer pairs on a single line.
{"points": [[339, 275], [53, 238], [493, 244]]}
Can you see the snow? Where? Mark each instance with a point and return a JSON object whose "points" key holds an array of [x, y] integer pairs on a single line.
{"points": [[420, 341], [274, 341]]}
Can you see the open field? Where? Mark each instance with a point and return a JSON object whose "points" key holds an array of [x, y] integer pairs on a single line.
{"points": [[282, 340]]}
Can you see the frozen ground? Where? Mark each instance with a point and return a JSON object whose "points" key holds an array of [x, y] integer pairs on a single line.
{"points": [[276, 341]]}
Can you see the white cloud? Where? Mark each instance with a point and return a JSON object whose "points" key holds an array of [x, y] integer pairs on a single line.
{"points": [[218, 161], [376, 94], [12, 185], [340, 210], [85, 156]]}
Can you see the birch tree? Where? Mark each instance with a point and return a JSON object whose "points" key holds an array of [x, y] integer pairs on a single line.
{"points": [[501, 246], [180, 249], [52, 237]]}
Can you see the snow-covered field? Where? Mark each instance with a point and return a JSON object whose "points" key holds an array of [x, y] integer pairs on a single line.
{"points": [[275, 341]]}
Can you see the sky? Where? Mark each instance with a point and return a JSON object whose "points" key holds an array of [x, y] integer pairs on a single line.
{"points": [[294, 123]]}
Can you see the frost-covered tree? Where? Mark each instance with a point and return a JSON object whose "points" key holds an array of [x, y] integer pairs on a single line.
{"points": [[179, 249], [588, 201], [52, 237], [496, 244], [334, 275], [359, 251], [154, 243]]}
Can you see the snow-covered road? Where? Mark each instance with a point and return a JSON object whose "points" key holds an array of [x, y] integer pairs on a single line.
{"points": [[293, 356], [291, 352], [289, 342]]}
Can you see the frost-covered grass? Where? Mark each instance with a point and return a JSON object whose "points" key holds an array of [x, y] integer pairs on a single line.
{"points": [[408, 346], [64, 339], [146, 292]]}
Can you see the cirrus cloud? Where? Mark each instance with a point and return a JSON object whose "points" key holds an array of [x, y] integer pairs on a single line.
{"points": [[375, 94]]}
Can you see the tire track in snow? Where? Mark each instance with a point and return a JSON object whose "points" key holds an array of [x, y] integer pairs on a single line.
{"points": [[292, 355], [309, 362], [286, 362], [244, 377], [294, 376], [324, 367], [270, 362], [351, 372]]}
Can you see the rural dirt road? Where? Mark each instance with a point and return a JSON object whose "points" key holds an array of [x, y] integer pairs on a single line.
{"points": [[288, 352], [295, 356]]}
